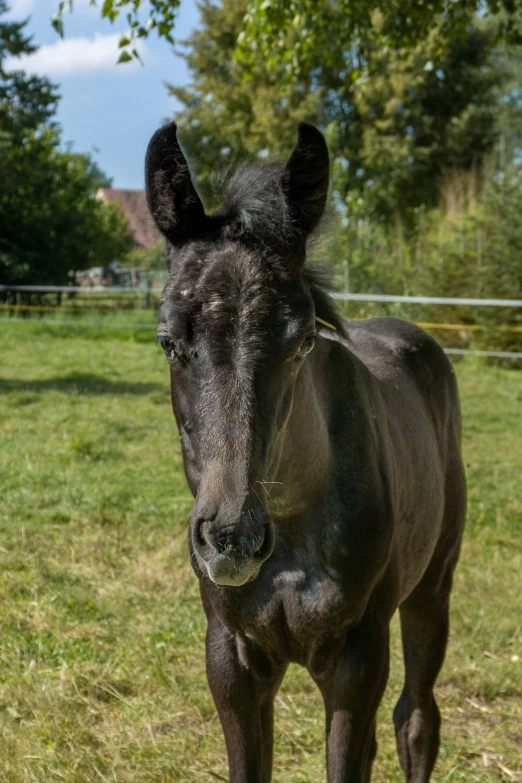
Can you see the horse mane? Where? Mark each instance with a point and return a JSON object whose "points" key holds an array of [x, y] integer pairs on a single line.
{"points": [[254, 210], [321, 288]]}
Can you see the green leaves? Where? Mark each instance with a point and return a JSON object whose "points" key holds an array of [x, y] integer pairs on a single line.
{"points": [[57, 23], [394, 125], [307, 35], [42, 238], [109, 10], [125, 57], [160, 15], [229, 113], [25, 101], [297, 37]]}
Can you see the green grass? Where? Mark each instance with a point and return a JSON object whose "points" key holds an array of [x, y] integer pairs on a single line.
{"points": [[101, 645]]}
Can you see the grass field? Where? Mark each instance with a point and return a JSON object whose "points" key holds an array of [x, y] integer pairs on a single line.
{"points": [[101, 644]]}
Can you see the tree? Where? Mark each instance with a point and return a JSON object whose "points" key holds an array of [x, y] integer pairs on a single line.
{"points": [[149, 259], [476, 252], [304, 35], [51, 222], [411, 117], [299, 32], [396, 124], [161, 16], [227, 119], [26, 102]]}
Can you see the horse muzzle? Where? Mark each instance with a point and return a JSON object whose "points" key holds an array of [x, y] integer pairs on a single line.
{"points": [[231, 554]]}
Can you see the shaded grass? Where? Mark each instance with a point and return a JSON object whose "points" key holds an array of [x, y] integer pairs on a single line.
{"points": [[101, 651]]}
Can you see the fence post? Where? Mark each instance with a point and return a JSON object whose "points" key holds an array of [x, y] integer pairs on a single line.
{"points": [[148, 296]]}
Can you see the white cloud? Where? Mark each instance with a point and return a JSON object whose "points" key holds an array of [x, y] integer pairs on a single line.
{"points": [[74, 55], [19, 9]]}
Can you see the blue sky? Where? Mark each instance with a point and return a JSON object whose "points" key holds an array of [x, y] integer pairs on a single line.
{"points": [[107, 109]]}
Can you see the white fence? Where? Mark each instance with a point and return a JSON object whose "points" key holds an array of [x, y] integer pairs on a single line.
{"points": [[429, 300], [70, 289]]}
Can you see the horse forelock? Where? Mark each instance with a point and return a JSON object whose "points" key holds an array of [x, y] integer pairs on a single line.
{"points": [[236, 301]]}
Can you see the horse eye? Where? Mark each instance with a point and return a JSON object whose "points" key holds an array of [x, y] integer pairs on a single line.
{"points": [[167, 345], [307, 345]]}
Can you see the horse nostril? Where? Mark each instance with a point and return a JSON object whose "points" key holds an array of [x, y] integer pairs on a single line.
{"points": [[259, 542], [265, 543], [203, 515], [206, 537], [205, 511]]}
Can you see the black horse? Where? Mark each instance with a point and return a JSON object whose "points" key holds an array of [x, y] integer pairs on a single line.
{"points": [[328, 483]]}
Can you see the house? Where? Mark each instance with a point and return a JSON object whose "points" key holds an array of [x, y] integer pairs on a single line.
{"points": [[133, 204]]}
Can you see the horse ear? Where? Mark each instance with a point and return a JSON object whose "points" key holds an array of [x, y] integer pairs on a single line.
{"points": [[305, 178], [173, 201]]}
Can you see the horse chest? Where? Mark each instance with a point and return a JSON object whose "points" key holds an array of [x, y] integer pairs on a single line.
{"points": [[291, 614]]}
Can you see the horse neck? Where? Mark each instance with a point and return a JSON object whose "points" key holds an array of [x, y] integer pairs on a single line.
{"points": [[305, 462]]}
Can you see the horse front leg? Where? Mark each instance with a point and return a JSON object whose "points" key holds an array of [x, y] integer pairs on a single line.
{"points": [[243, 682], [352, 692]]}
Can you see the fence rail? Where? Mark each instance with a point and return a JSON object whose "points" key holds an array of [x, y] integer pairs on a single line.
{"points": [[450, 300], [429, 300], [79, 289]]}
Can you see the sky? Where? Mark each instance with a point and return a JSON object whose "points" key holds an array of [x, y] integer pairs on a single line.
{"points": [[106, 109]]}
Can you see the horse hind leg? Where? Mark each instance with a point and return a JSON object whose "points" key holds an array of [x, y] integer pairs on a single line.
{"points": [[424, 626]]}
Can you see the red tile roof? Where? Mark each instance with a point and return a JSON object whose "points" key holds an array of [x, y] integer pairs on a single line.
{"points": [[133, 203]]}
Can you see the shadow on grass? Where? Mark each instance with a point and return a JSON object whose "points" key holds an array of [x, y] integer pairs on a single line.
{"points": [[79, 383]]}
